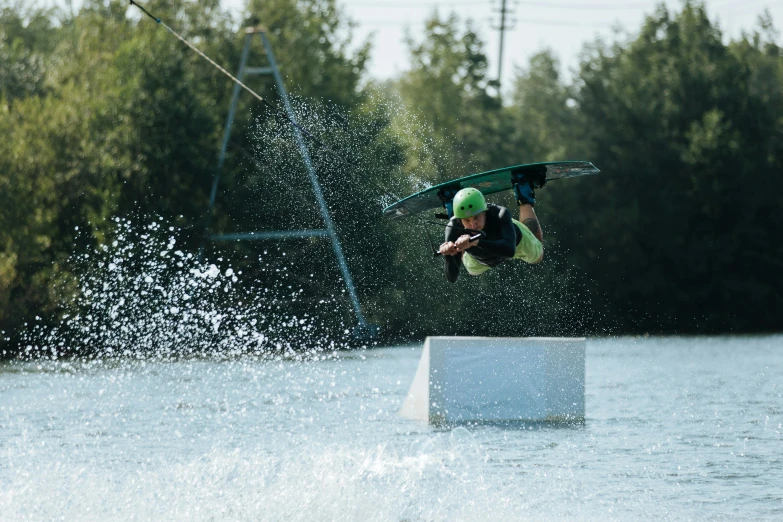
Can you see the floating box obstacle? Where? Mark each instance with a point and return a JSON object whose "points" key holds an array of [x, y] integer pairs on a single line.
{"points": [[498, 379]]}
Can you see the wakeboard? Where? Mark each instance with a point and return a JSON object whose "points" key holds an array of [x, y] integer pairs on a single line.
{"points": [[487, 182]]}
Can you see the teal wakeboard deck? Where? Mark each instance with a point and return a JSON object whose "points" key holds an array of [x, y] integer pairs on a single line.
{"points": [[487, 182]]}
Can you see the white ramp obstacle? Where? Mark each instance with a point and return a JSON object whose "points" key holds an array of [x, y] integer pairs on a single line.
{"points": [[498, 379]]}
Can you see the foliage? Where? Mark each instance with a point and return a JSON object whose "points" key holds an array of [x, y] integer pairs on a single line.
{"points": [[104, 114], [691, 152], [450, 87]]}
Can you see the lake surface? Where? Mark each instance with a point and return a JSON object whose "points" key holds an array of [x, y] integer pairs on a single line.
{"points": [[676, 429]]}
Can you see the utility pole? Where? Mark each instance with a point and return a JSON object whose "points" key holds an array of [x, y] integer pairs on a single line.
{"points": [[504, 10]]}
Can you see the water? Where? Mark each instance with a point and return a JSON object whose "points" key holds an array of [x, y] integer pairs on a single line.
{"points": [[677, 429]]}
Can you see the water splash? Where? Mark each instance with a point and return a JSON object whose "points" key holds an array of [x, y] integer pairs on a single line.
{"points": [[385, 151], [142, 297]]}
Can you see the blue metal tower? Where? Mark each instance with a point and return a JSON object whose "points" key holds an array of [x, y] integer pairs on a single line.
{"points": [[363, 330]]}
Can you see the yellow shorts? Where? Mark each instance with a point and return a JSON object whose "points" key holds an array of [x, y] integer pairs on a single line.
{"points": [[529, 250]]}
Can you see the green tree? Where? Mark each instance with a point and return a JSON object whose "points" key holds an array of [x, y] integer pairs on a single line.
{"points": [[128, 124], [449, 86], [27, 40], [674, 124], [543, 123]]}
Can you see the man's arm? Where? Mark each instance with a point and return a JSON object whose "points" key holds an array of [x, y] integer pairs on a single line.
{"points": [[451, 267], [452, 255]]}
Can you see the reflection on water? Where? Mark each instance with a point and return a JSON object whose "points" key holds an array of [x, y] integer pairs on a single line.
{"points": [[677, 428]]}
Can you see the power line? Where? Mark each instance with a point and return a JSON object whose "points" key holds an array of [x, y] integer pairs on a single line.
{"points": [[744, 6], [524, 21], [450, 4], [595, 7], [409, 5]]}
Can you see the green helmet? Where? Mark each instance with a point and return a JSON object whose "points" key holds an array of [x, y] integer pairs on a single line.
{"points": [[469, 202]]}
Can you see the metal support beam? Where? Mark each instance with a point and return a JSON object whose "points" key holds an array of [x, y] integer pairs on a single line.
{"points": [[259, 70], [227, 130], [338, 251]]}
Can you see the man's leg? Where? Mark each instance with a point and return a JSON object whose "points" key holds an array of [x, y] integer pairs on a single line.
{"points": [[473, 266], [526, 199], [527, 216], [529, 249]]}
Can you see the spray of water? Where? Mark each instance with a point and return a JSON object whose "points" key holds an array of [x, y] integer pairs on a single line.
{"points": [[385, 151], [142, 297]]}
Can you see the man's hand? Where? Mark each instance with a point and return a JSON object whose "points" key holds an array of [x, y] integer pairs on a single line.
{"points": [[449, 249], [464, 242], [452, 248]]}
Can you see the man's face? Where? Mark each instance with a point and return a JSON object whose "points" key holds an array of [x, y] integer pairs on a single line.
{"points": [[476, 222]]}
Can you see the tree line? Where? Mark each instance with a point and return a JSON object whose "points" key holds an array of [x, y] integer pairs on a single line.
{"points": [[103, 115]]}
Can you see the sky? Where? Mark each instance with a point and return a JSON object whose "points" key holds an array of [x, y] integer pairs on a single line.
{"points": [[563, 26]]}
